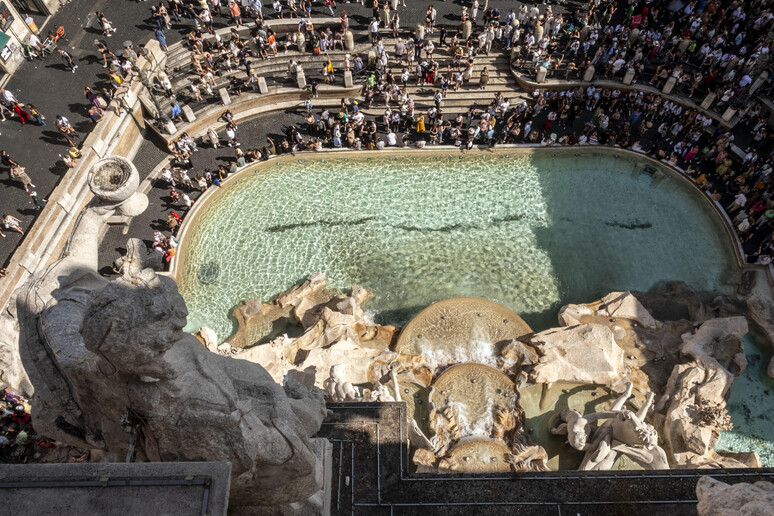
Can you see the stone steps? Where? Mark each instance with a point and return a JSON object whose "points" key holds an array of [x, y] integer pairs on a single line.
{"points": [[276, 68]]}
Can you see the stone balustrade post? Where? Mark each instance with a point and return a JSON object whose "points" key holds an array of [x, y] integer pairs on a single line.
{"points": [[669, 86], [588, 75], [225, 98], [628, 76], [541, 74]]}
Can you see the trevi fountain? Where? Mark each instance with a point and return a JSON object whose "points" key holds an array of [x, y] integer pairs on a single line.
{"points": [[635, 380]]}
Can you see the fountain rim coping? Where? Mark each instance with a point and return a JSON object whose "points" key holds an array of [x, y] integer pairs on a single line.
{"points": [[400, 343], [190, 218]]}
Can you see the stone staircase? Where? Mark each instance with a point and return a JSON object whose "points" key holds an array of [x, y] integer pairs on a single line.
{"points": [[274, 71]]}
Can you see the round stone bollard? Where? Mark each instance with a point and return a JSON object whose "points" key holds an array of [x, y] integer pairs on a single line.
{"points": [[301, 42], [467, 29], [114, 181], [420, 31], [349, 41]]}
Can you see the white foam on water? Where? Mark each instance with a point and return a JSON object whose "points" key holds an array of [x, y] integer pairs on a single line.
{"points": [[478, 351], [482, 426]]}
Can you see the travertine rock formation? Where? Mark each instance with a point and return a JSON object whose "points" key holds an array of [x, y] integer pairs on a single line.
{"points": [[614, 305], [336, 331], [694, 399], [585, 353], [717, 498]]}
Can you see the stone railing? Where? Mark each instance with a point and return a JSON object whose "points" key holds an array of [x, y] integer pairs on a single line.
{"points": [[119, 133]]}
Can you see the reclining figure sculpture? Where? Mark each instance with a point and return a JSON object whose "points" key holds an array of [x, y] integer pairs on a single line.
{"points": [[622, 432], [109, 361]]}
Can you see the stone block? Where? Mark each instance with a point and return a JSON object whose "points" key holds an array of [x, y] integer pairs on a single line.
{"points": [[683, 45], [758, 82], [708, 100], [301, 78], [301, 42], [728, 114], [669, 86], [188, 114], [628, 76], [224, 96], [262, 88], [589, 73], [541, 74], [349, 41], [419, 30], [348, 83], [467, 28], [170, 127]]}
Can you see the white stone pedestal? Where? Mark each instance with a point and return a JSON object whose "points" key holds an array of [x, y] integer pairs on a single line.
{"points": [[224, 96], [541, 74], [708, 100], [188, 113], [728, 114], [628, 76], [589, 73], [669, 86]]}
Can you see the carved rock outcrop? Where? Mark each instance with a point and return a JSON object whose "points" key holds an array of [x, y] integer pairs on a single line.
{"points": [[717, 498], [694, 399], [585, 353], [622, 305]]}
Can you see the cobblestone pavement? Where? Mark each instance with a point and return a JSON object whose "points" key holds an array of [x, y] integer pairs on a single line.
{"points": [[49, 86]]}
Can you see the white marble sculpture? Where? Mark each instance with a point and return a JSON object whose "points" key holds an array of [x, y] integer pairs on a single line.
{"points": [[338, 388], [107, 358], [622, 432]]}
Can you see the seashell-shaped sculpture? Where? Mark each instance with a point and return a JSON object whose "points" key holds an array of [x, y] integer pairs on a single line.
{"points": [[114, 181]]}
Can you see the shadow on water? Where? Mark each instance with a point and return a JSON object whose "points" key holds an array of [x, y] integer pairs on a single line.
{"points": [[618, 222], [749, 403]]}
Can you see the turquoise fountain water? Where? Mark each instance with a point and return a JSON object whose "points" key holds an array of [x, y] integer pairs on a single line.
{"points": [[750, 405], [530, 230]]}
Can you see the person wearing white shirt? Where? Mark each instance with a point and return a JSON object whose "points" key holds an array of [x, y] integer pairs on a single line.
{"points": [[34, 42], [9, 97]]}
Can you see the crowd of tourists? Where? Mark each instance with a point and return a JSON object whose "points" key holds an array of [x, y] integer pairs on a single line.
{"points": [[718, 47], [642, 120], [705, 47], [18, 441]]}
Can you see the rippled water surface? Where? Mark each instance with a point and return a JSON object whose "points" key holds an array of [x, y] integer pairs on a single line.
{"points": [[751, 404], [532, 231]]}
